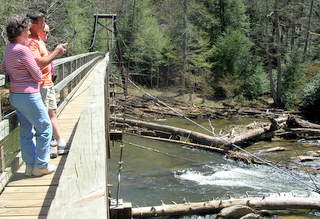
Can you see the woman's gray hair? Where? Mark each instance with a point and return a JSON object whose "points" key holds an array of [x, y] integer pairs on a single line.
{"points": [[15, 26]]}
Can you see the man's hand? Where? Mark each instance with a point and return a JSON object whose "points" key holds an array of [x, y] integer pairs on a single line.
{"points": [[60, 49]]}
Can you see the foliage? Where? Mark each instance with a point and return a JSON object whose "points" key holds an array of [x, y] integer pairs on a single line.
{"points": [[293, 78], [232, 56], [311, 91], [70, 21], [230, 44], [311, 98], [149, 47]]}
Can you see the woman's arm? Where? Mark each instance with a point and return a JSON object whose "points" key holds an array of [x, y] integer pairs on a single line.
{"points": [[31, 65]]}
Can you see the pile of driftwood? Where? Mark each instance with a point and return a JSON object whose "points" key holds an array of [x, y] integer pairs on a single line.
{"points": [[227, 143], [146, 107], [297, 128]]}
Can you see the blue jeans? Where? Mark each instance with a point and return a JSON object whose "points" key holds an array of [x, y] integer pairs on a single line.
{"points": [[35, 128]]}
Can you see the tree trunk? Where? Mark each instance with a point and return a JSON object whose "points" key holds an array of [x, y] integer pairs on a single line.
{"points": [[308, 29], [269, 70], [278, 52], [294, 122], [293, 35], [194, 136], [185, 44], [204, 139], [212, 207], [222, 20]]}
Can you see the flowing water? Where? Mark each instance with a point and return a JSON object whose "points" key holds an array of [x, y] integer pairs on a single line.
{"points": [[155, 172]]}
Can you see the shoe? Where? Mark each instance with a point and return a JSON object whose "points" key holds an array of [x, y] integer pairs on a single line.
{"points": [[40, 171], [28, 171], [53, 155], [63, 147], [54, 143], [63, 150]]}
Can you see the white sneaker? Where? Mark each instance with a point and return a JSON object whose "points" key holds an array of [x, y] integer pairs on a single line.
{"points": [[37, 171], [62, 143], [54, 143], [28, 171], [63, 148]]}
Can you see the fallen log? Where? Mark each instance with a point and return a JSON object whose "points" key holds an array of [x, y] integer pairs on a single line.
{"points": [[183, 143], [304, 131], [294, 122], [200, 138], [273, 149], [194, 136], [239, 156], [214, 206]]}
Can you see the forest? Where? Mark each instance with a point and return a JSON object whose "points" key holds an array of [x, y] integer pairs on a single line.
{"points": [[244, 50]]}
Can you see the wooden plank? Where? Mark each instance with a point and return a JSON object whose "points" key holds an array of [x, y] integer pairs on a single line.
{"points": [[30, 189], [82, 189], [26, 196], [23, 203], [23, 217], [4, 129], [34, 182], [42, 211], [9, 172]]}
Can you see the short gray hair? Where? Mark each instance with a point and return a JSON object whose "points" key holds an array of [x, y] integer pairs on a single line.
{"points": [[15, 26]]}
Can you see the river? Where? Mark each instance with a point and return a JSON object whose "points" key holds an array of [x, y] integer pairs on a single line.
{"points": [[155, 172]]}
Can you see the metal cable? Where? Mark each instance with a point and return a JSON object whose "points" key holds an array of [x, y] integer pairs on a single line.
{"points": [[160, 152], [119, 173], [285, 171]]}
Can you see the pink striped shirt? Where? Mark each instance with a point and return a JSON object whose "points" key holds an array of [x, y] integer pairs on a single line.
{"points": [[22, 69]]}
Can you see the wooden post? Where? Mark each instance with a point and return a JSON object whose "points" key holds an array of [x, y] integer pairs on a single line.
{"points": [[107, 112], [62, 73], [2, 155], [123, 211], [69, 68]]}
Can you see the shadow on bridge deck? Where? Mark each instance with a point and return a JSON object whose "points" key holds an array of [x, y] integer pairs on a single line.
{"points": [[31, 197]]}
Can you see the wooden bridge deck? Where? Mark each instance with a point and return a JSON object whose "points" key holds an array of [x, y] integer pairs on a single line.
{"points": [[30, 197]]}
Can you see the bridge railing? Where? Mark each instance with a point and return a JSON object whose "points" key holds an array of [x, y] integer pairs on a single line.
{"points": [[82, 190], [70, 72]]}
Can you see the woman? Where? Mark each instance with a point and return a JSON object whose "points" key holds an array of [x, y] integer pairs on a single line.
{"points": [[25, 97]]}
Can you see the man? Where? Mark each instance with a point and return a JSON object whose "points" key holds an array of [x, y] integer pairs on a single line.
{"points": [[44, 59]]}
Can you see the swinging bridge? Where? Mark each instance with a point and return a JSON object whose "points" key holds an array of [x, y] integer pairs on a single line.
{"points": [[80, 187]]}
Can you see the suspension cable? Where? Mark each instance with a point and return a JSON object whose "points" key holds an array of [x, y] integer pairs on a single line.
{"points": [[285, 171], [157, 151]]}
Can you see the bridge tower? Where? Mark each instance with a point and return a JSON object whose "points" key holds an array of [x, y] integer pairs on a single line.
{"points": [[107, 24]]}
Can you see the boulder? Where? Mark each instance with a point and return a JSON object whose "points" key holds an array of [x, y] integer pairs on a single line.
{"points": [[234, 212], [274, 149], [252, 216]]}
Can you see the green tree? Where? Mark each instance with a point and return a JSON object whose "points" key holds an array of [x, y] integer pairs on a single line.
{"points": [[232, 60], [147, 46]]}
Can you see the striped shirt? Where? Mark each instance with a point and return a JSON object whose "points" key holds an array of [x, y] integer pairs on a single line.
{"points": [[22, 69]]}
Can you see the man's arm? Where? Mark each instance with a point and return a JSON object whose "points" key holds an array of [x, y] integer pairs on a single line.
{"points": [[46, 60]]}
